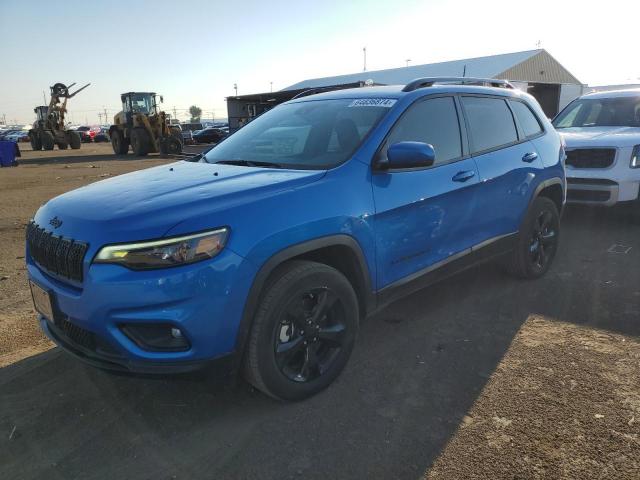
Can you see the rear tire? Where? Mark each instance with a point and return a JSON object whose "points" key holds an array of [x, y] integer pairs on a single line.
{"points": [[36, 143], [47, 140], [170, 145], [140, 141], [303, 333], [537, 241], [74, 140], [119, 144]]}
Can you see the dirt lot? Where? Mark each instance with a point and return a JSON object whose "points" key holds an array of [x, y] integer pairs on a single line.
{"points": [[477, 377], [41, 176]]}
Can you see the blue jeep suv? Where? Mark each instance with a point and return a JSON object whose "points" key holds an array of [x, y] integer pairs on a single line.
{"points": [[266, 252]]}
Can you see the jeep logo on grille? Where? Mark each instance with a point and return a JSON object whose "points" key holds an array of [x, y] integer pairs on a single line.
{"points": [[55, 222]]}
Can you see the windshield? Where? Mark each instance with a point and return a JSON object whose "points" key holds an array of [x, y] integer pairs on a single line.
{"points": [[142, 103], [600, 112], [308, 135]]}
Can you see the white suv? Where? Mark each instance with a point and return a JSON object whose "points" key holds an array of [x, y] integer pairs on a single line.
{"points": [[602, 135]]}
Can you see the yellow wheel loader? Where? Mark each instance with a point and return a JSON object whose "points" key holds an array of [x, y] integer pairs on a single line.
{"points": [[49, 129], [142, 126]]}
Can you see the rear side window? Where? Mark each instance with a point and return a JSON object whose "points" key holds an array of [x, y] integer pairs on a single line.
{"points": [[490, 122], [433, 121], [527, 119]]}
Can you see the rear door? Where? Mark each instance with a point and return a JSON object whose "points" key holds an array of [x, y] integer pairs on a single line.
{"points": [[507, 161], [425, 215]]}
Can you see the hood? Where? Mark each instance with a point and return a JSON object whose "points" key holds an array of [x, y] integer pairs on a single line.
{"points": [[148, 203], [601, 136]]}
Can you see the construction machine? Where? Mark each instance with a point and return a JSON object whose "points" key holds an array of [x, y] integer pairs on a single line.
{"points": [[143, 126], [49, 128]]}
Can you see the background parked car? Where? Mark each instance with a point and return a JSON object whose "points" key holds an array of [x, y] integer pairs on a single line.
{"points": [[102, 135], [602, 135], [17, 136], [209, 135], [87, 133]]}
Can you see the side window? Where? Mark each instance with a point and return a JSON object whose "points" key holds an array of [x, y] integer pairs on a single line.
{"points": [[527, 119], [490, 122], [433, 121]]}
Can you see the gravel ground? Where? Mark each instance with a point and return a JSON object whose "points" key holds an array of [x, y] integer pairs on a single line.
{"points": [[41, 176], [479, 376]]}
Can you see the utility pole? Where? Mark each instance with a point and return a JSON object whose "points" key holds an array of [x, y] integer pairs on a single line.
{"points": [[175, 115], [105, 114], [235, 87], [364, 53], [100, 118], [408, 60], [213, 115], [271, 85], [44, 97]]}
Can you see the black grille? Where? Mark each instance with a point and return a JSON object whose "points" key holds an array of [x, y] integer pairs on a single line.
{"points": [[591, 157], [76, 334], [59, 255], [588, 195]]}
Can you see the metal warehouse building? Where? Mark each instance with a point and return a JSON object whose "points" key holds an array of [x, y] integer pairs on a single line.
{"points": [[534, 71]]}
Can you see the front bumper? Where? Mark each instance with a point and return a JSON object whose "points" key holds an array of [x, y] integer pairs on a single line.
{"points": [[600, 191], [204, 300], [104, 358]]}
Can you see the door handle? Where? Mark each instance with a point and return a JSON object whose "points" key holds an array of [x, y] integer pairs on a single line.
{"points": [[463, 176], [529, 157]]}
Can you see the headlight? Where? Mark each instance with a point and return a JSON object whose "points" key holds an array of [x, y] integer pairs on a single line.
{"points": [[635, 157], [167, 252]]}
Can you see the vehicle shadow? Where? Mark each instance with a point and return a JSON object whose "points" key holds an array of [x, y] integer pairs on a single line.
{"points": [[417, 368]]}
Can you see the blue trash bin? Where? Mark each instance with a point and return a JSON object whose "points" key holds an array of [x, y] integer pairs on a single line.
{"points": [[7, 154]]}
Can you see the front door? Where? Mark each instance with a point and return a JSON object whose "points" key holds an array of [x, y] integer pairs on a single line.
{"points": [[424, 216]]}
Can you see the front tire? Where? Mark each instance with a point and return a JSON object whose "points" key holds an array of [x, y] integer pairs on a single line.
{"points": [[118, 143], [537, 241], [303, 332], [36, 143], [74, 140], [47, 140], [140, 141]]}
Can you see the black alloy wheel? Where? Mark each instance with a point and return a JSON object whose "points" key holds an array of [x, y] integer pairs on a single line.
{"points": [[310, 335], [303, 330], [544, 241], [537, 241]]}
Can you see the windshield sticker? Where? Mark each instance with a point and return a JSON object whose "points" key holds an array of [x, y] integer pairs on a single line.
{"points": [[373, 102]]}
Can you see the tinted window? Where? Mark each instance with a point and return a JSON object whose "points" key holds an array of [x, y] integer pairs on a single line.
{"points": [[433, 121], [490, 122], [528, 121]]}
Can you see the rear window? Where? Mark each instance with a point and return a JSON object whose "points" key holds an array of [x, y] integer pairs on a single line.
{"points": [[527, 119], [491, 124]]}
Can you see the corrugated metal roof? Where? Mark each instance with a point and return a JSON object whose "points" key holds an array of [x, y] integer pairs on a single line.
{"points": [[484, 67], [542, 68]]}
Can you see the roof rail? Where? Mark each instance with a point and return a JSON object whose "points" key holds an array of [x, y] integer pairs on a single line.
{"points": [[430, 81]]}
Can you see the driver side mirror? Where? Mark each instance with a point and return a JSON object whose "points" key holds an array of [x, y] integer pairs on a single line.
{"points": [[409, 155]]}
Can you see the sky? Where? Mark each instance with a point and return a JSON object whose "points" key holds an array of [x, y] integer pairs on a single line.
{"points": [[193, 52]]}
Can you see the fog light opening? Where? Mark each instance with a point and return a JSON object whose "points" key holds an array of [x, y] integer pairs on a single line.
{"points": [[157, 337]]}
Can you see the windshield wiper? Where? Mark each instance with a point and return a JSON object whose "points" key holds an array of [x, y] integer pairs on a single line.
{"points": [[250, 163]]}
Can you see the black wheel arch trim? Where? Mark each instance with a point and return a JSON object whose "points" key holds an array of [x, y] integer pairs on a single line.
{"points": [[290, 253], [548, 183]]}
